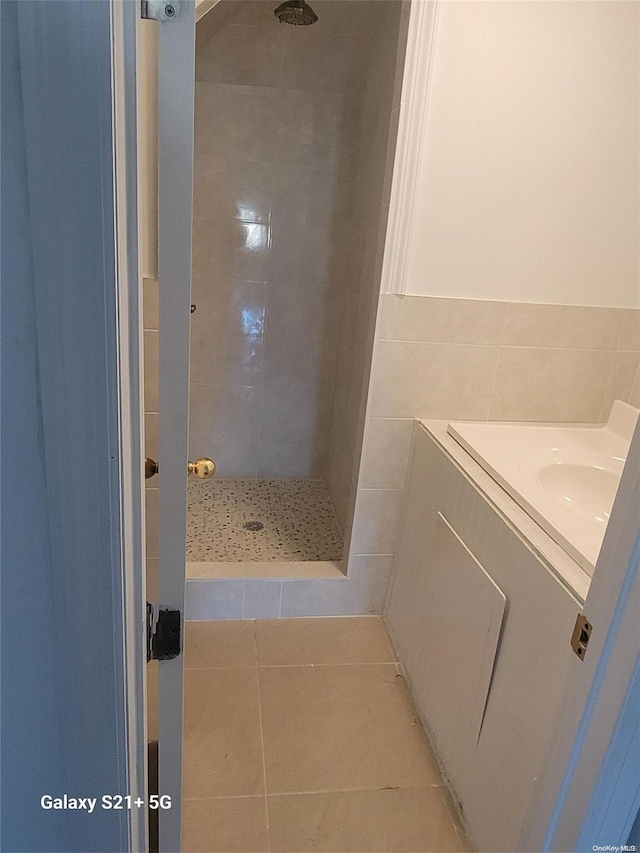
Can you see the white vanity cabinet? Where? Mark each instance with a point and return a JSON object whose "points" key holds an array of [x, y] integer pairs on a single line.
{"points": [[482, 626]]}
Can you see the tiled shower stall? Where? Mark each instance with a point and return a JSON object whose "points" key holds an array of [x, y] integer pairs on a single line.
{"points": [[293, 127]]}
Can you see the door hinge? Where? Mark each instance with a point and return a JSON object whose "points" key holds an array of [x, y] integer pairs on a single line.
{"points": [[164, 630], [159, 10], [580, 636]]}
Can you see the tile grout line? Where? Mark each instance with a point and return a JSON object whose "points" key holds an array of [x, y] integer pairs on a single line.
{"points": [[264, 763], [387, 636], [622, 328], [323, 791], [494, 380], [555, 348], [292, 665], [607, 384]]}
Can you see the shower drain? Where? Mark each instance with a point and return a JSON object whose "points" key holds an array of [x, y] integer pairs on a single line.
{"points": [[253, 525]]}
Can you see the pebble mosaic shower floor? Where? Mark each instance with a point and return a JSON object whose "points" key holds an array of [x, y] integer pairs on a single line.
{"points": [[261, 521]]}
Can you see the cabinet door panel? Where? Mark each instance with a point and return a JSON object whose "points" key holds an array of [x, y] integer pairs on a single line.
{"points": [[466, 610]]}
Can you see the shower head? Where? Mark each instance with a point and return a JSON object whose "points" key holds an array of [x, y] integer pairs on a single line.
{"points": [[295, 12]]}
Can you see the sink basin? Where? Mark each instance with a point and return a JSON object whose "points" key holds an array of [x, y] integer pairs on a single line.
{"points": [[565, 477], [586, 490]]}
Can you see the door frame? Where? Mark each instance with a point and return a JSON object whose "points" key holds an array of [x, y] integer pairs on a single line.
{"points": [[176, 129], [124, 17]]}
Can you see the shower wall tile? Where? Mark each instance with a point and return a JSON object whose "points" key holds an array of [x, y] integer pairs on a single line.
{"points": [[227, 331], [250, 127], [310, 312], [231, 249], [394, 122], [293, 432], [372, 135], [342, 443], [237, 357], [339, 487], [210, 25], [271, 186], [232, 189], [308, 128], [228, 305], [368, 197], [243, 55], [255, 13], [230, 406], [374, 123], [321, 61], [298, 360], [304, 194], [295, 258], [237, 460], [223, 421]]}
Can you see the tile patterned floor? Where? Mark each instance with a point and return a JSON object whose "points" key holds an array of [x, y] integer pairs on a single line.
{"points": [[297, 518], [300, 736]]}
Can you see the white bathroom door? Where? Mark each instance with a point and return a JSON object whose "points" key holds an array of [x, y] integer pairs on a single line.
{"points": [[176, 69], [564, 810]]}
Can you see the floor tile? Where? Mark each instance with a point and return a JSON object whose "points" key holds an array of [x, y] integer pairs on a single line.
{"points": [[288, 520], [209, 645], [375, 821], [353, 639], [222, 743], [225, 826], [341, 727]]}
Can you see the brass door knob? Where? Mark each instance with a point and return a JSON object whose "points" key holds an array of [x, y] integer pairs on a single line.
{"points": [[150, 468], [202, 468]]}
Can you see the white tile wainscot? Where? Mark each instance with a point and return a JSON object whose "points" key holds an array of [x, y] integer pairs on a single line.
{"points": [[361, 594], [491, 775]]}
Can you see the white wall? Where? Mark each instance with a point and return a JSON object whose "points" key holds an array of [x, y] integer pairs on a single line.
{"points": [[528, 182]]}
